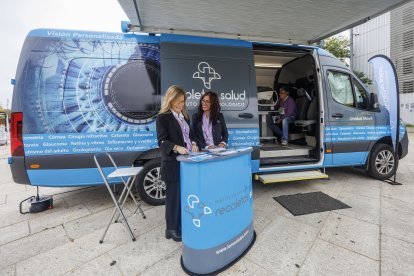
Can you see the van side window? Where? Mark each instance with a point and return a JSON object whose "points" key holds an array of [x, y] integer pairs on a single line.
{"points": [[361, 95], [341, 88]]}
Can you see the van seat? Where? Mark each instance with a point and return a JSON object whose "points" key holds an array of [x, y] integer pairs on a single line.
{"points": [[302, 103], [306, 122]]}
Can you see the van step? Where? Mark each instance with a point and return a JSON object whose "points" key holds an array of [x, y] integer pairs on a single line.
{"points": [[285, 160], [281, 151], [290, 176]]}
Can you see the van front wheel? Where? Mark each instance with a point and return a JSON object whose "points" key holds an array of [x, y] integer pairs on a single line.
{"points": [[382, 162], [149, 184]]}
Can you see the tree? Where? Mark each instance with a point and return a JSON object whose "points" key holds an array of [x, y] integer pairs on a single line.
{"points": [[4, 113], [337, 46], [361, 76]]}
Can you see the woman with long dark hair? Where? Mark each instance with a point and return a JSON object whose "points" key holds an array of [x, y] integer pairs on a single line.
{"points": [[174, 138], [208, 123]]}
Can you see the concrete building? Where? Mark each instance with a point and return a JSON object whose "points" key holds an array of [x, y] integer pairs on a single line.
{"points": [[391, 34]]}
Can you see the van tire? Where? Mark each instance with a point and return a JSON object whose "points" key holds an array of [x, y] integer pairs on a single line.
{"points": [[382, 162], [149, 185]]}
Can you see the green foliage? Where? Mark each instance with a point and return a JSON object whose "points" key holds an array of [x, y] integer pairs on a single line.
{"points": [[337, 46], [361, 75], [3, 112]]}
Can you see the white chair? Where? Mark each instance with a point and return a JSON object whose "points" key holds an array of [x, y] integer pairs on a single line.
{"points": [[121, 173]]}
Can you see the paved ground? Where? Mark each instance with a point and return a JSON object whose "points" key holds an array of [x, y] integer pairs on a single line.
{"points": [[374, 237]]}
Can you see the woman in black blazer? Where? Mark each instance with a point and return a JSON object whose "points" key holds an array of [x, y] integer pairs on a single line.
{"points": [[208, 123], [174, 137]]}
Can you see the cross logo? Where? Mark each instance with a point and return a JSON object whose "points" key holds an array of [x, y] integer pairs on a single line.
{"points": [[206, 73], [196, 209]]}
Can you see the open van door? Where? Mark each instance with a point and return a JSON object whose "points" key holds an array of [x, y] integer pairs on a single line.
{"points": [[350, 123], [223, 66]]}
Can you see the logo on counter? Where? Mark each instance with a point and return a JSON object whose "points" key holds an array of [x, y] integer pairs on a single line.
{"points": [[206, 73], [196, 209]]}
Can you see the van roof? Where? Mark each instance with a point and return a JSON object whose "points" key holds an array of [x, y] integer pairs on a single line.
{"points": [[294, 21]]}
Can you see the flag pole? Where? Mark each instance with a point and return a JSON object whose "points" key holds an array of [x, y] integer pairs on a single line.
{"points": [[393, 107]]}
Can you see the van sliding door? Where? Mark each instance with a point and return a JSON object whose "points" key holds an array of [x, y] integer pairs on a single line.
{"points": [[224, 66]]}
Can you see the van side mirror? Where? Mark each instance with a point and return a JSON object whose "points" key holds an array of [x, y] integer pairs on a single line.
{"points": [[373, 101]]}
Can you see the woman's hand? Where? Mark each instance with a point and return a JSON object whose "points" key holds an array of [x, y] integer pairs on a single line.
{"points": [[182, 150], [195, 148], [221, 145]]}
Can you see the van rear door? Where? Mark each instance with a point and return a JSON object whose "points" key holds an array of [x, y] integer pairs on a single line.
{"points": [[221, 65]]}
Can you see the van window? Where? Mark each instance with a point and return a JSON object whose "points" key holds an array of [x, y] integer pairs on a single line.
{"points": [[341, 88], [361, 96]]}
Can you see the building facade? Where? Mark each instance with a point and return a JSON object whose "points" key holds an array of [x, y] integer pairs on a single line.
{"points": [[391, 34]]}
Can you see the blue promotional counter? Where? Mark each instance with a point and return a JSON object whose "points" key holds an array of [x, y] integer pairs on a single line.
{"points": [[216, 210]]}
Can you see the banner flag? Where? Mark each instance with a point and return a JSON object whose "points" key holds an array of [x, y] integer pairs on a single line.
{"points": [[385, 77]]}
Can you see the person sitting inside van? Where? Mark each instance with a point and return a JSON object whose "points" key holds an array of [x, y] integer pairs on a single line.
{"points": [[286, 114]]}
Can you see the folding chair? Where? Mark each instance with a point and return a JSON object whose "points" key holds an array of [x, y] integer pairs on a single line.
{"points": [[130, 173]]}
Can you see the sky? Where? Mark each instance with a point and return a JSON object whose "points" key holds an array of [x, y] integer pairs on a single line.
{"points": [[18, 17]]}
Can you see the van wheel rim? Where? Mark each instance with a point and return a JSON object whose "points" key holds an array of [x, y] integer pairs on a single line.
{"points": [[153, 185], [384, 163]]}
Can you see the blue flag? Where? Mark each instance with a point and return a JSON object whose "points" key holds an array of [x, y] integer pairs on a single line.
{"points": [[386, 81]]}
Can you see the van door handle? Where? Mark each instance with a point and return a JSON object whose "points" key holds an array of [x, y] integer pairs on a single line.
{"points": [[246, 115], [337, 115]]}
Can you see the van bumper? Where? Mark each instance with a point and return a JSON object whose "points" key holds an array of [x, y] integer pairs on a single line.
{"points": [[404, 145], [18, 170]]}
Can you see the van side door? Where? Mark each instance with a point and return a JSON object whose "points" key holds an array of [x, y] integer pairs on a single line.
{"points": [[224, 66], [349, 122]]}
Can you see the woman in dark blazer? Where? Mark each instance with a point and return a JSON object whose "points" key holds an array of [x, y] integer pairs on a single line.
{"points": [[174, 138], [208, 123]]}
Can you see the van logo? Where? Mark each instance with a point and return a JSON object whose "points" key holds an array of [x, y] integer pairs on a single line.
{"points": [[206, 73], [196, 209]]}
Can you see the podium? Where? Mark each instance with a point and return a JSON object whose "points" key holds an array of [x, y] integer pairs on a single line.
{"points": [[216, 210]]}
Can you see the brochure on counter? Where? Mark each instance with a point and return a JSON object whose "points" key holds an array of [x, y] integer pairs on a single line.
{"points": [[217, 151]]}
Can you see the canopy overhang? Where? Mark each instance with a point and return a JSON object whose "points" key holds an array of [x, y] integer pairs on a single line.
{"points": [[293, 21]]}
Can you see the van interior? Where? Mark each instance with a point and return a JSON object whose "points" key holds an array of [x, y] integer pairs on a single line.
{"points": [[295, 69]]}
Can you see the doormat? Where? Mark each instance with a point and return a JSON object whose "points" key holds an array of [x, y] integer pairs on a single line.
{"points": [[315, 202]]}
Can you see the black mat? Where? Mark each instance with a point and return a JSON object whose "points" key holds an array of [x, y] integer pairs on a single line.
{"points": [[302, 204]]}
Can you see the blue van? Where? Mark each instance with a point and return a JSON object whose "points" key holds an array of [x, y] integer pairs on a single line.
{"points": [[78, 93]]}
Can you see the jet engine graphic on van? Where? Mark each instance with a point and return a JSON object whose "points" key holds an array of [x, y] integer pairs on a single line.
{"points": [[206, 73]]}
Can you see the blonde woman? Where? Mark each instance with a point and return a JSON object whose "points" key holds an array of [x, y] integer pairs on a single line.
{"points": [[174, 138]]}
